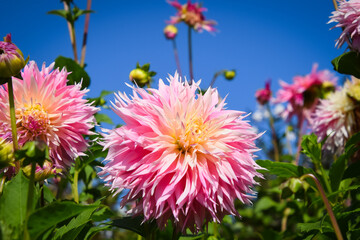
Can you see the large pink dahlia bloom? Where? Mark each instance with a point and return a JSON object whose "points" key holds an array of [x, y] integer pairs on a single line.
{"points": [[181, 154], [337, 118], [347, 17], [50, 110], [192, 15], [302, 96]]}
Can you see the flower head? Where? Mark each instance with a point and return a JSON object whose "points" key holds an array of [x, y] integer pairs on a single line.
{"points": [[192, 15], [170, 31], [41, 173], [11, 58], [6, 154], [337, 118], [263, 95], [302, 96], [347, 17], [49, 110], [181, 154]]}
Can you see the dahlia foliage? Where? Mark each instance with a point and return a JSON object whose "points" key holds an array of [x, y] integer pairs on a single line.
{"points": [[49, 110], [181, 155]]}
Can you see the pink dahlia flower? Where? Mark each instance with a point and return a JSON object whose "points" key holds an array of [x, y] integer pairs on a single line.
{"points": [[263, 95], [192, 15], [336, 118], [347, 17], [50, 110], [181, 154], [302, 96]]}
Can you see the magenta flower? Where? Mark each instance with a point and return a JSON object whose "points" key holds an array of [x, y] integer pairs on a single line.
{"points": [[181, 154], [302, 96], [263, 95], [170, 31], [192, 15], [50, 110], [336, 118], [347, 17]]}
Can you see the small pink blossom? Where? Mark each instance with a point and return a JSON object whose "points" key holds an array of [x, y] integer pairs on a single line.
{"points": [[49, 110], [182, 156], [347, 17], [302, 96], [192, 15], [11, 58], [263, 95]]}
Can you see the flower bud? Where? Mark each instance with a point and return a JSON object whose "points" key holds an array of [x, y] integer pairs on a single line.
{"points": [[11, 58], [41, 173], [263, 95], [229, 74], [6, 154], [170, 31], [141, 75]]}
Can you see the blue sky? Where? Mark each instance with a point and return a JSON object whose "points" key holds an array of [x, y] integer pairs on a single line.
{"points": [[260, 39]]}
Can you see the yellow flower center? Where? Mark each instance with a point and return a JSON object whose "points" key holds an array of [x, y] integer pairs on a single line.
{"points": [[193, 133], [34, 118]]}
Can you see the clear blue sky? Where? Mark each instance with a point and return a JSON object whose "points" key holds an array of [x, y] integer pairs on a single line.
{"points": [[260, 39]]}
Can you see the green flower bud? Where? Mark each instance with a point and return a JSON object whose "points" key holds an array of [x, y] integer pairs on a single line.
{"points": [[6, 154], [11, 58], [141, 75], [229, 74], [41, 173]]}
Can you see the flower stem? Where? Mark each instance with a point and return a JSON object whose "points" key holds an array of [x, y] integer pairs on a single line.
{"points": [[216, 75], [300, 127], [327, 205], [86, 29], [274, 139], [13, 120], [2, 183], [335, 5], [176, 54], [190, 56], [75, 181], [29, 204], [71, 32]]}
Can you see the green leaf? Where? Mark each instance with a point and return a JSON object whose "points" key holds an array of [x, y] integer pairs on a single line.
{"points": [[77, 75], [337, 171], [13, 201], [100, 117], [264, 203], [62, 13], [48, 195], [282, 169], [347, 63], [307, 227], [95, 230], [311, 147], [52, 214], [78, 12], [103, 214], [193, 237], [352, 171], [133, 224], [72, 230], [146, 67], [105, 93]]}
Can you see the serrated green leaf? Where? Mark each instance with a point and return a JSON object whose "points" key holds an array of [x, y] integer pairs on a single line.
{"points": [[134, 224], [13, 201], [337, 171], [282, 169], [72, 230], [48, 195], [103, 214], [77, 75], [100, 117], [61, 12], [311, 147], [92, 231], [347, 63], [307, 227], [52, 214]]}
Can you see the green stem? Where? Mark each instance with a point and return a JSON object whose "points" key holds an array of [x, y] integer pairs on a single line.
{"points": [[274, 139], [86, 29], [2, 183], [216, 75], [215, 229], [327, 205], [71, 32], [190, 56], [75, 181], [13, 120], [176, 54], [300, 127], [30, 198]]}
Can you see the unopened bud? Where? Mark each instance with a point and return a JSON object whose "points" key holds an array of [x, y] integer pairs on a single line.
{"points": [[170, 31], [229, 74], [11, 58], [263, 95], [139, 76], [295, 184], [6, 154], [41, 173]]}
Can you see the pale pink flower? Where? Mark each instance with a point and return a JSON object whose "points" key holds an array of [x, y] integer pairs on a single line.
{"points": [[302, 96], [50, 110], [347, 17], [263, 95], [336, 118], [182, 156], [192, 15]]}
